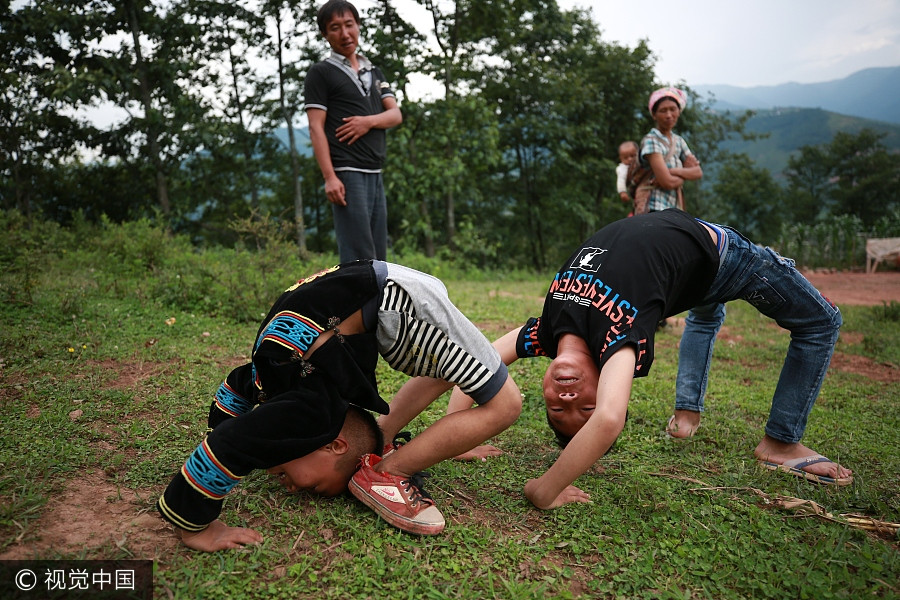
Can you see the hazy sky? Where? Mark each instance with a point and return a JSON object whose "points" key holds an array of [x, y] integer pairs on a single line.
{"points": [[744, 43], [755, 42]]}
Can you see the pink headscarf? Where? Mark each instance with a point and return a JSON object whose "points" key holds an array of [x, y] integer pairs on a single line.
{"points": [[667, 92]]}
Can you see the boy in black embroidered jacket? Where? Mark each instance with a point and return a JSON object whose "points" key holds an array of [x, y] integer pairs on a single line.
{"points": [[314, 357]]}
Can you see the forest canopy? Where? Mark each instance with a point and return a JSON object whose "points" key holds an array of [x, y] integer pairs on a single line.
{"points": [[512, 163]]}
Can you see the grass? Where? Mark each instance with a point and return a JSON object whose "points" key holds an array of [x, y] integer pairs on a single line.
{"points": [[688, 519]]}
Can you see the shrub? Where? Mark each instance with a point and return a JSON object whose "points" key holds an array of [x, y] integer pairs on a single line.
{"points": [[27, 243], [838, 241]]}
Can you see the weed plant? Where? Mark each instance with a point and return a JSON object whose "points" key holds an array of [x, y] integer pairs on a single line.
{"points": [[836, 241], [686, 519]]}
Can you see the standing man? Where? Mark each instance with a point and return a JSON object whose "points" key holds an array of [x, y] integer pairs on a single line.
{"points": [[350, 105]]}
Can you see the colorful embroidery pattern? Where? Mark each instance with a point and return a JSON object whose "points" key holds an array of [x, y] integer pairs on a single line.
{"points": [[207, 475], [292, 331], [230, 402]]}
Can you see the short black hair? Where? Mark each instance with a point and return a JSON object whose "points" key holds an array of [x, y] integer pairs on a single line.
{"points": [[562, 440], [334, 7], [363, 435]]}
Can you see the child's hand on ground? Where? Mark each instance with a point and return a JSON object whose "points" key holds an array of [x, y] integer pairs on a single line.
{"points": [[219, 536], [479, 453], [568, 495]]}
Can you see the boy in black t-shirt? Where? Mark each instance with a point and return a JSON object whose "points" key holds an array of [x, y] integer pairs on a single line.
{"points": [[598, 326]]}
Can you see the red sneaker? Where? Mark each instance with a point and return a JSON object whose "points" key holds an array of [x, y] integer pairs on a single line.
{"points": [[401, 502]]}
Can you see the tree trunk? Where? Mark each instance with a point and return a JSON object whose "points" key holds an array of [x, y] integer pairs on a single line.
{"points": [[288, 116], [427, 235], [23, 198], [239, 107], [152, 128], [451, 219]]}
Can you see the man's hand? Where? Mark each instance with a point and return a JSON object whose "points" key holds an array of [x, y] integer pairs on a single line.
{"points": [[568, 495], [219, 536], [335, 191], [353, 129]]}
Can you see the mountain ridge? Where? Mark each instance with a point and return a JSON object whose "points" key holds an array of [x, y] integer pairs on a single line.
{"points": [[790, 128], [869, 94]]}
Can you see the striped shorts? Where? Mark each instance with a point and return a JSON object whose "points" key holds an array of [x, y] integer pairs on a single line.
{"points": [[421, 333]]}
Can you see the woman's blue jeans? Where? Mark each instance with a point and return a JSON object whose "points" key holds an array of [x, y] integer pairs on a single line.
{"points": [[770, 283]]}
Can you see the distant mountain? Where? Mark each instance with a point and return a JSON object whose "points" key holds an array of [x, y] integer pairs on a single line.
{"points": [[870, 94], [793, 115], [301, 139], [791, 128]]}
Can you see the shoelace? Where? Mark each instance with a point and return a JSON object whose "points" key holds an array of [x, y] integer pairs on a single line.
{"points": [[414, 485], [401, 438]]}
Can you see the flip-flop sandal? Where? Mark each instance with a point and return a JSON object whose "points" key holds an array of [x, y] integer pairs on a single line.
{"points": [[672, 437], [794, 467]]}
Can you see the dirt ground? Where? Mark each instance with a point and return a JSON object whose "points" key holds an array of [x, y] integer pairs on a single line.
{"points": [[94, 513], [845, 288]]}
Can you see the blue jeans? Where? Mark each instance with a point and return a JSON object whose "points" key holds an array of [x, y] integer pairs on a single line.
{"points": [[361, 226], [770, 283]]}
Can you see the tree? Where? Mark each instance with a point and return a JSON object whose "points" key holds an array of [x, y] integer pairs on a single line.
{"points": [[854, 174], [39, 91], [565, 100], [808, 176], [292, 30], [424, 178], [754, 201], [705, 129], [394, 45], [866, 175], [463, 32], [237, 163], [231, 32], [143, 59], [517, 156]]}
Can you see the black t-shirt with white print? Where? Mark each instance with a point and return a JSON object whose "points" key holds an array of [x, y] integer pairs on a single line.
{"points": [[614, 290]]}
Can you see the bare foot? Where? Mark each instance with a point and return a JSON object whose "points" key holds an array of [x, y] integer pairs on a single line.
{"points": [[219, 536], [479, 453], [774, 451], [683, 424]]}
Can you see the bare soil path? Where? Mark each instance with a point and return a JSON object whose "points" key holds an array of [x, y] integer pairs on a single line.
{"points": [[851, 288]]}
